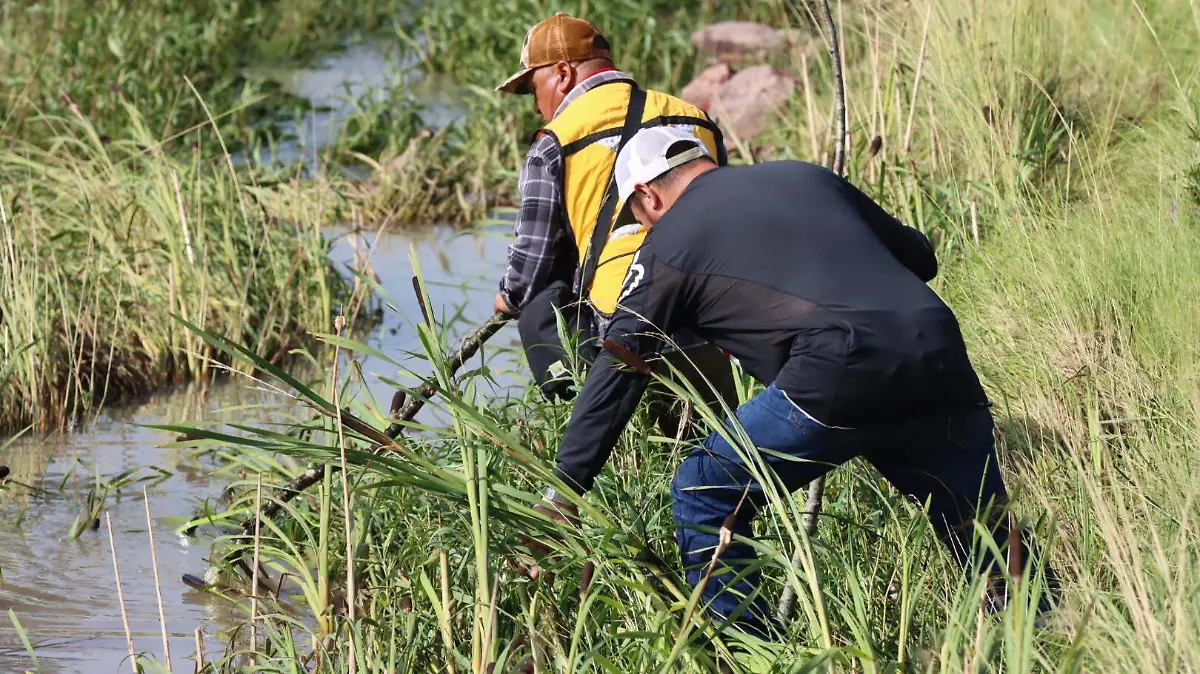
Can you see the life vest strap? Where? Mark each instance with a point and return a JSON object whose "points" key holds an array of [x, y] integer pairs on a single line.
{"points": [[662, 120]]}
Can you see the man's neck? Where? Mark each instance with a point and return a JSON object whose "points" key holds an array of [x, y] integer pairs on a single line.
{"points": [[590, 68], [583, 76], [689, 178], [693, 172]]}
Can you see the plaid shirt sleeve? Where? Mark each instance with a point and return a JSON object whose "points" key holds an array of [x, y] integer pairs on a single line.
{"points": [[542, 228]]}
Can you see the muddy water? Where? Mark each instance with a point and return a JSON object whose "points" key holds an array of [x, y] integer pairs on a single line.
{"points": [[64, 592]]}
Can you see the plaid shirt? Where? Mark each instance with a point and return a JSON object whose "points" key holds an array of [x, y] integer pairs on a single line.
{"points": [[544, 241]]}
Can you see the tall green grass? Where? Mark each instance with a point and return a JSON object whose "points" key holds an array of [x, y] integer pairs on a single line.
{"points": [[1049, 151], [1084, 324], [99, 57], [1049, 154], [104, 240], [120, 205]]}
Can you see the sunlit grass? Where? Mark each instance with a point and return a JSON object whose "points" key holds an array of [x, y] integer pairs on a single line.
{"points": [[104, 239], [1045, 148], [1068, 240]]}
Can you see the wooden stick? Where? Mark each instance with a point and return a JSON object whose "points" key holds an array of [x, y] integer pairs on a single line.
{"points": [[839, 90], [162, 618], [816, 488], [121, 595], [467, 348], [812, 505]]}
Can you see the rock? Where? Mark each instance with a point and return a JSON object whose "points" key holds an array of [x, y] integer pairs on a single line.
{"points": [[736, 42], [700, 91], [746, 103]]}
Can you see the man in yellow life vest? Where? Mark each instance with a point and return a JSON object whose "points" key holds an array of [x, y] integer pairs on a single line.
{"points": [[565, 182]]}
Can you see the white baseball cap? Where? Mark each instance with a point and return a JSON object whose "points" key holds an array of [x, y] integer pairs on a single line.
{"points": [[644, 158]]}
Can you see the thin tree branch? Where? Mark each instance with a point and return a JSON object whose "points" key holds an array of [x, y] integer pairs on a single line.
{"points": [[839, 89], [816, 488]]}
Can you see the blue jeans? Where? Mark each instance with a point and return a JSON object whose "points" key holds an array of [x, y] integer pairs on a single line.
{"points": [[947, 458]]}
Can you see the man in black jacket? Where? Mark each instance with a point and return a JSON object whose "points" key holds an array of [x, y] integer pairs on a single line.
{"points": [[821, 295]]}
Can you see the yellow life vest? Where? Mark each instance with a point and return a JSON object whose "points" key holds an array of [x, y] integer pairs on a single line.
{"points": [[588, 130]]}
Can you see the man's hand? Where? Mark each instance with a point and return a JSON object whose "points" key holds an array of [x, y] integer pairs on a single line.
{"points": [[566, 514], [501, 306]]}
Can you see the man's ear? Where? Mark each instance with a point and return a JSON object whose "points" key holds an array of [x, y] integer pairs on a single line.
{"points": [[566, 75], [652, 200]]}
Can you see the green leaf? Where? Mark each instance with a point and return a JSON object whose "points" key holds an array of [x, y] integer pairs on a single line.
{"points": [[114, 45], [12, 615]]}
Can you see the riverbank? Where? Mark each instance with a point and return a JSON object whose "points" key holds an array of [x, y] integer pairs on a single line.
{"points": [[172, 60], [121, 204], [59, 581], [1047, 150], [108, 243]]}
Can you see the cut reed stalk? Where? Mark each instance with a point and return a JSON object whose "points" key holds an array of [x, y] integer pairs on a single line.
{"points": [[974, 222], [447, 609], [809, 106], [112, 546], [976, 652], [199, 650], [162, 618], [351, 598], [490, 633]]}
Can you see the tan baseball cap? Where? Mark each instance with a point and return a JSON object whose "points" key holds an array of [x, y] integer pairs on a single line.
{"points": [[559, 38]]}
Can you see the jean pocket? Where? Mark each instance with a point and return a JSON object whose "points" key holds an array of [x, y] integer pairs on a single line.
{"points": [[972, 430], [804, 423]]}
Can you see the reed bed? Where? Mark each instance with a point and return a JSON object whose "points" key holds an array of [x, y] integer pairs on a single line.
{"points": [[123, 204], [105, 241], [1046, 147]]}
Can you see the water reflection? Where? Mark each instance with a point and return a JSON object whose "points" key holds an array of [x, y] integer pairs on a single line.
{"points": [[366, 69], [63, 590]]}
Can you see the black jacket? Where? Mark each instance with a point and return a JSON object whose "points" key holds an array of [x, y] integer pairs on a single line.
{"points": [[807, 282]]}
